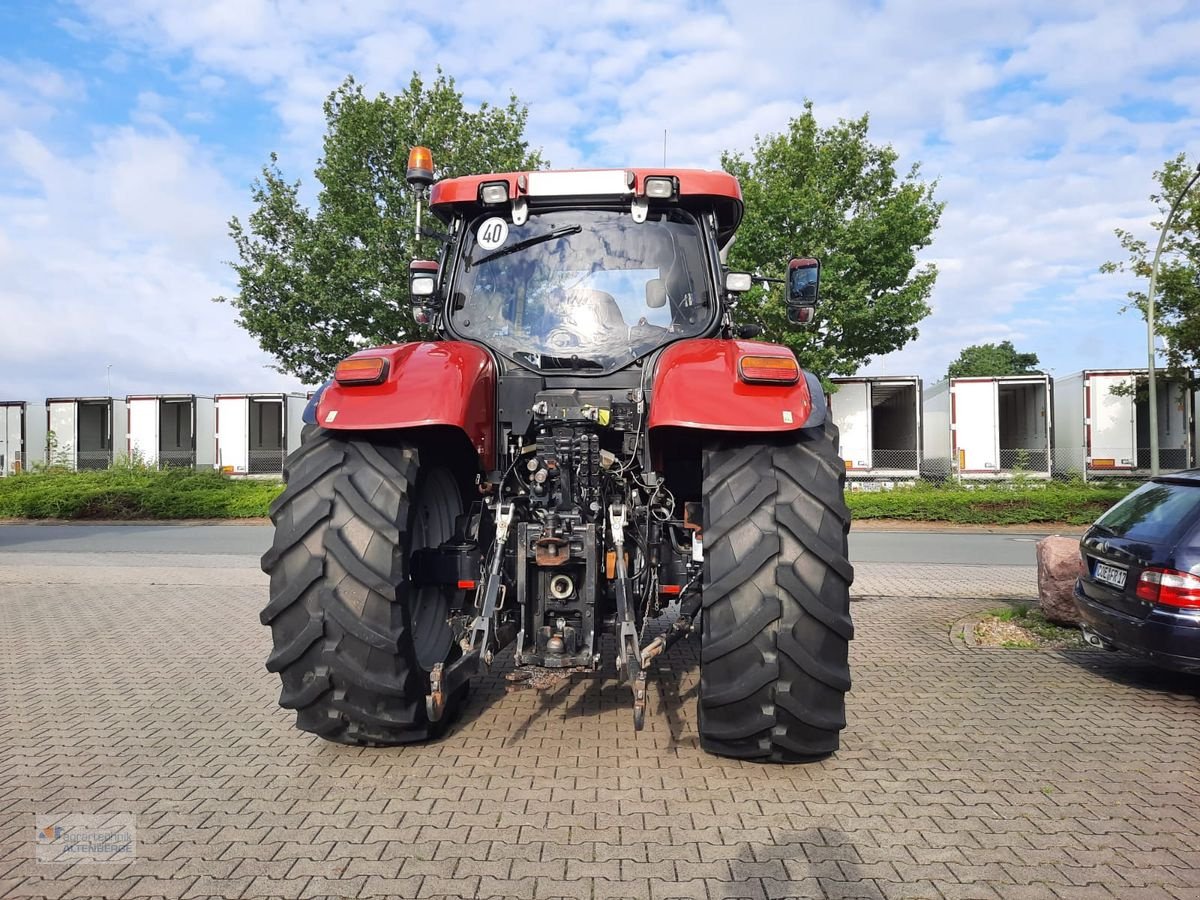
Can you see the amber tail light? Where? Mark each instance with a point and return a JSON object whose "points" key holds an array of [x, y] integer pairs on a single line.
{"points": [[361, 370], [769, 369]]}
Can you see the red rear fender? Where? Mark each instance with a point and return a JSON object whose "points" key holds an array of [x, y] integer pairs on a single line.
{"points": [[433, 383], [697, 385]]}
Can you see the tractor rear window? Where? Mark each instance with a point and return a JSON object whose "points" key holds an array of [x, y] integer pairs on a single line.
{"points": [[589, 290]]}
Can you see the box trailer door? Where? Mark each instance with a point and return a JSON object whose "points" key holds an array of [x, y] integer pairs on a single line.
{"points": [[1112, 423], [976, 435], [143, 429], [10, 439], [852, 414], [233, 446], [1174, 425], [204, 425], [62, 424]]}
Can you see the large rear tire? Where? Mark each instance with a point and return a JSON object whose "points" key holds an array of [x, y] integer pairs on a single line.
{"points": [[776, 617], [354, 639]]}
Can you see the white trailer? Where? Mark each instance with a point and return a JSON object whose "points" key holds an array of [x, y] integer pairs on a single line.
{"points": [[998, 427], [86, 432], [172, 430], [937, 458], [256, 432], [879, 421], [1102, 421], [22, 436]]}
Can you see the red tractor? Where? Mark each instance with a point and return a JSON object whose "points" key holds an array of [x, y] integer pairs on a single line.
{"points": [[591, 444]]}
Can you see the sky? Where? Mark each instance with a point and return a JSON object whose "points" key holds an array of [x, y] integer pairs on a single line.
{"points": [[130, 133]]}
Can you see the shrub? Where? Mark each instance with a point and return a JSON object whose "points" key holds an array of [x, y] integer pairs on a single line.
{"points": [[134, 492], [1071, 503]]}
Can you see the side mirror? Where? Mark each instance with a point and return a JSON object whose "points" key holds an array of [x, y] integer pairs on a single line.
{"points": [[422, 286], [803, 287]]}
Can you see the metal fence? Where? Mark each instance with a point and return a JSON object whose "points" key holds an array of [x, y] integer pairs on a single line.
{"points": [[176, 459], [1031, 460], [901, 460], [93, 460], [1017, 464], [265, 462]]}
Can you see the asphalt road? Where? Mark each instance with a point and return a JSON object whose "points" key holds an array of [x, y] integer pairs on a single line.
{"points": [[252, 540]]}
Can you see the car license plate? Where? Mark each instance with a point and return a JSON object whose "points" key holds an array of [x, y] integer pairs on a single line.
{"points": [[1110, 575]]}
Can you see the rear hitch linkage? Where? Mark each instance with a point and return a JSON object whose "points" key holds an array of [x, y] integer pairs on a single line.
{"points": [[629, 656], [444, 681]]}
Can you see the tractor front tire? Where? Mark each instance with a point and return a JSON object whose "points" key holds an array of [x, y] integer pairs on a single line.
{"points": [[354, 639], [776, 626]]}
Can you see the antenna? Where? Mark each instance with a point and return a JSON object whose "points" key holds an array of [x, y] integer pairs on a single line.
{"points": [[664, 148]]}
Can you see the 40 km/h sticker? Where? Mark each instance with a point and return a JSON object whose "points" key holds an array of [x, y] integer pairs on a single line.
{"points": [[492, 233]]}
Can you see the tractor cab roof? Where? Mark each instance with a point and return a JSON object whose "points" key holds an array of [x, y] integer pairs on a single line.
{"points": [[697, 190]]}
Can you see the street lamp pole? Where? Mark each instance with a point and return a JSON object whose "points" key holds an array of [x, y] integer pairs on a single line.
{"points": [[1162, 237]]}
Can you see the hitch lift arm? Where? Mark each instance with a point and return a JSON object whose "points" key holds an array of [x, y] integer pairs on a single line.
{"points": [[629, 654], [476, 646]]}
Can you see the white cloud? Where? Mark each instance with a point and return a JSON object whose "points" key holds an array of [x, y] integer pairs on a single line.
{"points": [[113, 258], [1018, 109]]}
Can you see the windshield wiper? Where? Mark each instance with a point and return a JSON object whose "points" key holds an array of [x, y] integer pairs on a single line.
{"points": [[569, 362], [528, 242], [541, 361]]}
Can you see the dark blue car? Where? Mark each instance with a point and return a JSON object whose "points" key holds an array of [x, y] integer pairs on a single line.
{"points": [[1139, 584]]}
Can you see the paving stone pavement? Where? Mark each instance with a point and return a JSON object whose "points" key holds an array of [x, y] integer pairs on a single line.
{"points": [[964, 773]]}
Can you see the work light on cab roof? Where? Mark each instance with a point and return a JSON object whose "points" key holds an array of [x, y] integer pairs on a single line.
{"points": [[590, 441]]}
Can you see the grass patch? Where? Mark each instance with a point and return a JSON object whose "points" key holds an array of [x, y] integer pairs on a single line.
{"points": [[1020, 504], [134, 492], [1022, 626]]}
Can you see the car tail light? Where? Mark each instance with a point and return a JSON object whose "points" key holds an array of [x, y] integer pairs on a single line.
{"points": [[1170, 588], [361, 370], [769, 369]]}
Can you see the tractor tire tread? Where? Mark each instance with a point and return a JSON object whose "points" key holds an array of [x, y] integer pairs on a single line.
{"points": [[776, 619], [339, 600]]}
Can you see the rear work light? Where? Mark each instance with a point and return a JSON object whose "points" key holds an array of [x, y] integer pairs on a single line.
{"points": [[494, 192], [361, 370], [1170, 588], [769, 369], [660, 188]]}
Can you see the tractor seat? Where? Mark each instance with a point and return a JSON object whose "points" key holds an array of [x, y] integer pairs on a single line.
{"points": [[601, 304]]}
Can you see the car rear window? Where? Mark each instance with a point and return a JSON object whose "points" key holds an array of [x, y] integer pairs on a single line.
{"points": [[1153, 512]]}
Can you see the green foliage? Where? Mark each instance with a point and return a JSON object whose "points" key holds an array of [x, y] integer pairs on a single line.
{"points": [[1041, 630], [982, 360], [315, 286], [830, 193], [134, 492], [1074, 504], [1177, 291], [1008, 613]]}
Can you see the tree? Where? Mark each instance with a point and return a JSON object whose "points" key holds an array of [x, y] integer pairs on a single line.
{"points": [[315, 286], [983, 360], [830, 193], [1177, 290]]}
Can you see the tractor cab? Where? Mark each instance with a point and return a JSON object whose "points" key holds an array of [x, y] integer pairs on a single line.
{"points": [[583, 272]]}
